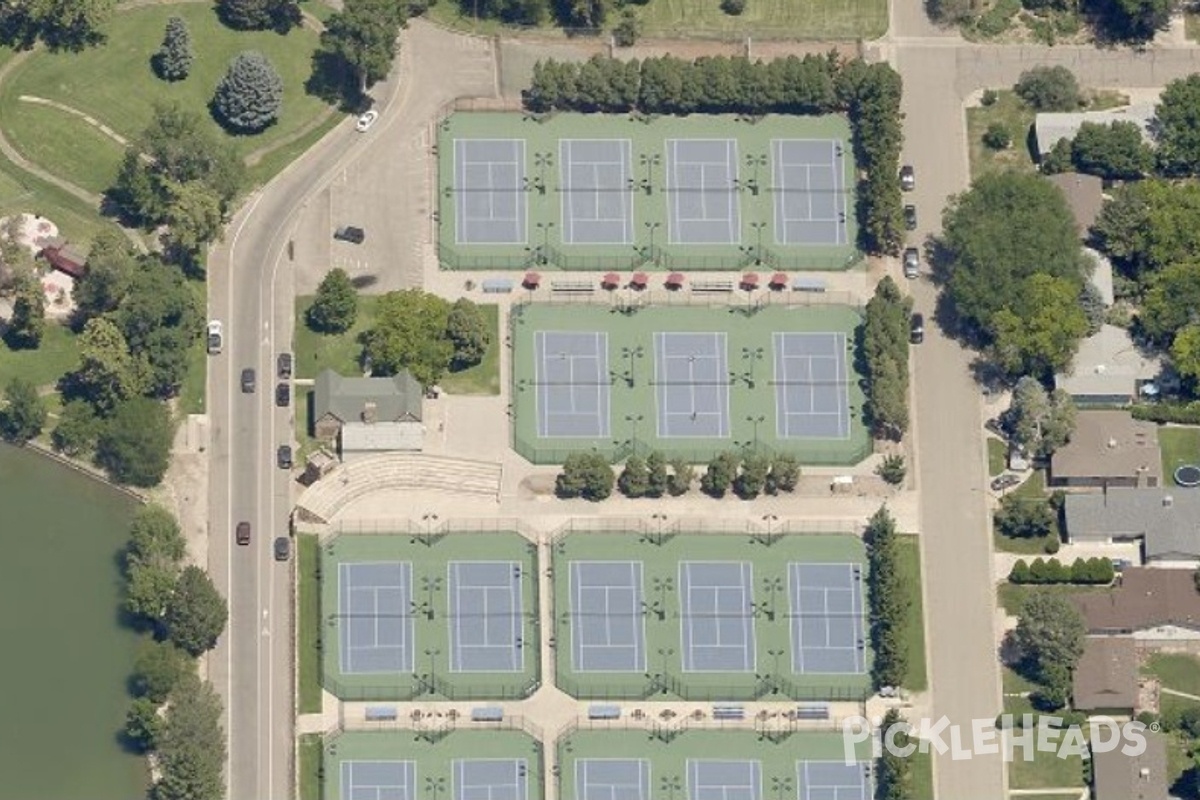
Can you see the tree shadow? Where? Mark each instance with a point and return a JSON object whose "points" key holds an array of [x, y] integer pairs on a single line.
{"points": [[334, 83], [361, 282]]}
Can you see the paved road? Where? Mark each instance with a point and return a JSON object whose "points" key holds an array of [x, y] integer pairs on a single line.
{"points": [[253, 278]]}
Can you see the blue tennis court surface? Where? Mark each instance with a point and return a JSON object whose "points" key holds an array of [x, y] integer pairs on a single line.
{"points": [[573, 383], [702, 191], [597, 203], [832, 780], [485, 616], [490, 779], [812, 386], [810, 192], [379, 780], [713, 779], [375, 623], [691, 376], [608, 629], [716, 601], [827, 618], [612, 779], [491, 206]]}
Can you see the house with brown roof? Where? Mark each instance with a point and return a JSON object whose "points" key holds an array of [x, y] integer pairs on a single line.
{"points": [[1085, 197], [66, 259], [1155, 608], [1105, 678], [1108, 369], [1117, 776], [1108, 448]]}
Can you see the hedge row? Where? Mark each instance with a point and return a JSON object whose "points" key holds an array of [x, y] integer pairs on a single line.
{"points": [[1089, 571], [1188, 414], [868, 93]]}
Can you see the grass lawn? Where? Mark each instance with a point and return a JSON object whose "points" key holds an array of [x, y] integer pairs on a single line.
{"points": [[316, 351], [484, 377], [921, 770], [64, 144], [1010, 111], [1179, 445], [1014, 682], [1032, 490], [309, 624], [45, 365], [909, 567], [195, 382], [1176, 671], [1046, 770], [997, 456], [1018, 706], [115, 84], [1178, 760], [1011, 597], [310, 766], [1191, 26]]}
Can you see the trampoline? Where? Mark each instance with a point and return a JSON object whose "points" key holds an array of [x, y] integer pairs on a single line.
{"points": [[1187, 475]]}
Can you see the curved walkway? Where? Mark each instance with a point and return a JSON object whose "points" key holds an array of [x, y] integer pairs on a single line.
{"points": [[89, 119]]}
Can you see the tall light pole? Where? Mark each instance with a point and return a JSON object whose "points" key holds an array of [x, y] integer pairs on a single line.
{"points": [[751, 355], [649, 161], [635, 419], [630, 353], [754, 421], [758, 230]]}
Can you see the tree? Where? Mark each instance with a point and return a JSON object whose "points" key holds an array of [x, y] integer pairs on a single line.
{"points": [[155, 538], [1150, 225], [1171, 302], [467, 330], [1049, 89], [197, 613], [159, 668], [143, 725], [682, 476], [1185, 352], [71, 25], [191, 745], [24, 413], [250, 96], [720, 474], [1094, 309], [753, 477], [1115, 151], [1024, 518], [997, 136], [77, 429], [785, 474], [627, 31], [258, 15], [108, 373], [173, 61], [658, 480], [889, 599], [135, 445], [1049, 636], [1040, 331], [28, 320], [195, 216], [586, 475], [110, 266], [335, 306], [892, 779], [892, 469], [410, 333], [1178, 120], [363, 37], [1133, 21], [1059, 159], [635, 478], [160, 319]]}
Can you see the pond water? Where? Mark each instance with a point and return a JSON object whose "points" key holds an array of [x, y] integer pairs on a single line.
{"points": [[66, 656]]}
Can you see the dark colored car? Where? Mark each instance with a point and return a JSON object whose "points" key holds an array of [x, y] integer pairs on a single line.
{"points": [[283, 395], [910, 217], [283, 456], [916, 329], [283, 548], [1005, 481], [283, 365], [248, 380], [350, 233], [243, 533]]}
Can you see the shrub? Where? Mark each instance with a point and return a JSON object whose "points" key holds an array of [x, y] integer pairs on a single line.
{"points": [[892, 470], [1052, 545], [1180, 414], [989, 98], [733, 8], [628, 30], [1049, 89], [997, 136], [682, 476]]}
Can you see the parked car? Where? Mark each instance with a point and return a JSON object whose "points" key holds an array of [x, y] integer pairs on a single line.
{"points": [[243, 533], [366, 121], [908, 178], [912, 262], [1121, 564], [916, 328], [215, 339], [910, 217], [283, 365], [283, 456], [283, 548], [350, 233], [1005, 481], [283, 395], [248, 380]]}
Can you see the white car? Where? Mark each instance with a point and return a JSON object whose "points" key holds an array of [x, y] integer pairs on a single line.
{"points": [[366, 121], [214, 337]]}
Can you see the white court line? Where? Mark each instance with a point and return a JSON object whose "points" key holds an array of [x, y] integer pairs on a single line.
{"points": [[734, 206], [565, 212], [721, 350], [798, 626], [601, 342], [517, 615], [838, 189]]}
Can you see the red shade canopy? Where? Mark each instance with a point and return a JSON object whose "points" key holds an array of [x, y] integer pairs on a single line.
{"points": [[675, 278], [779, 279], [532, 278], [611, 279], [639, 279], [750, 279]]}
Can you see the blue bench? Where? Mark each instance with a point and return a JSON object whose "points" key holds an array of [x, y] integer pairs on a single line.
{"points": [[496, 285], [729, 712], [604, 712], [380, 713], [487, 714], [808, 285], [812, 711]]}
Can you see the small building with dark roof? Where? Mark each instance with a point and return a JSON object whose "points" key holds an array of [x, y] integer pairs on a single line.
{"points": [[1157, 608], [1117, 776], [1106, 677], [368, 415], [1085, 197], [65, 259]]}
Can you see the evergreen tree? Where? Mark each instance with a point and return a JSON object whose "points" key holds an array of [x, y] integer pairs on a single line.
{"points": [[173, 61], [720, 473], [250, 96], [657, 478], [889, 599], [28, 321], [191, 745], [892, 779], [753, 477], [635, 478], [258, 15], [785, 474], [197, 613], [682, 476], [335, 307]]}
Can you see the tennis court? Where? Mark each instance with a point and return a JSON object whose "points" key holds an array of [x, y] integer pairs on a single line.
{"points": [[691, 376], [812, 395], [716, 616], [810, 193], [379, 780], [596, 181], [571, 373], [485, 616], [702, 187], [491, 779], [719, 779], [375, 623], [612, 779], [608, 631], [490, 200], [833, 780], [828, 620]]}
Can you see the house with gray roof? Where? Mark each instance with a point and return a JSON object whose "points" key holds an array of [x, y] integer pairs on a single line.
{"points": [[1165, 520], [368, 415], [1051, 127], [1106, 677], [1108, 370], [1085, 197], [1117, 776]]}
